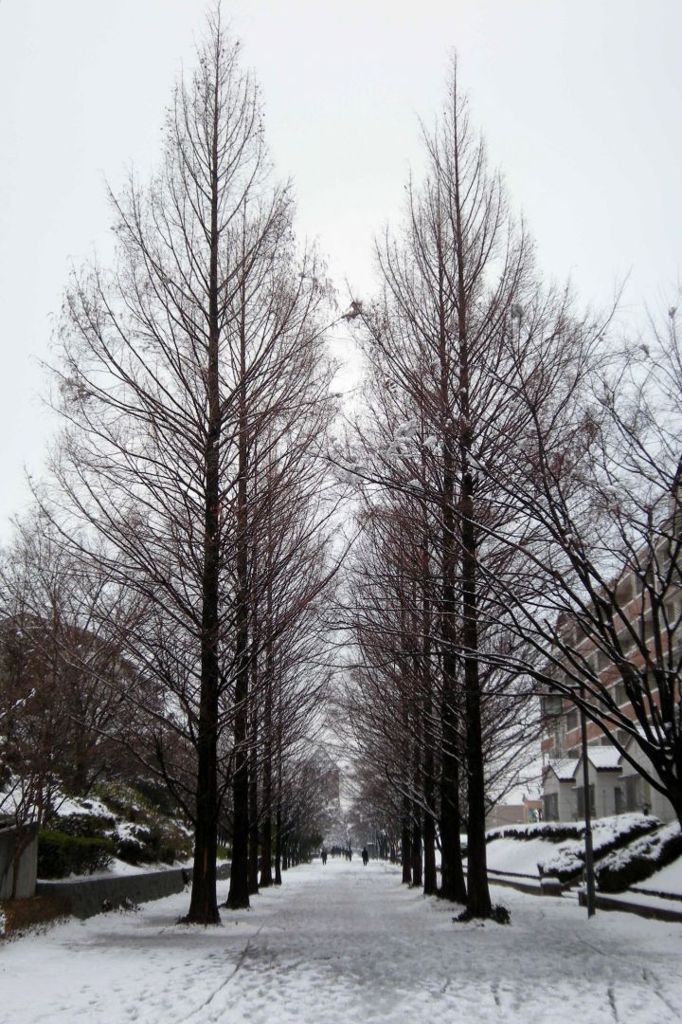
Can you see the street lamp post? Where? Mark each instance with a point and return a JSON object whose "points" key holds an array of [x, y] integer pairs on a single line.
{"points": [[589, 853]]}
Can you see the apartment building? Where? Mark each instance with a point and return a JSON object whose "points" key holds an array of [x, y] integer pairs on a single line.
{"points": [[645, 621]]}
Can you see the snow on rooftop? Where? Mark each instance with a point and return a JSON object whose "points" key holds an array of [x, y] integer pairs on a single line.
{"points": [[564, 768], [604, 758]]}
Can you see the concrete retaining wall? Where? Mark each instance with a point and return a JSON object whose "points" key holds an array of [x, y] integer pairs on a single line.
{"points": [[533, 884], [650, 910], [85, 897], [23, 840]]}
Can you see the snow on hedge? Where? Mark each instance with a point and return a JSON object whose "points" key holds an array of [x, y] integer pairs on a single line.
{"points": [[640, 859], [649, 846], [557, 848], [607, 833]]}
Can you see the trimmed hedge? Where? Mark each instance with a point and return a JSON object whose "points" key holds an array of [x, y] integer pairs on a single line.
{"points": [[60, 854], [560, 832], [619, 874], [547, 830], [570, 863]]}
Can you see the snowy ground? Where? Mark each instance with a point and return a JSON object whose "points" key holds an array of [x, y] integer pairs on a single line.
{"points": [[341, 944], [519, 855], [668, 879]]}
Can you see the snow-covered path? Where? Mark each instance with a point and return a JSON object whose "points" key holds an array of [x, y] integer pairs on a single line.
{"points": [[341, 944]]}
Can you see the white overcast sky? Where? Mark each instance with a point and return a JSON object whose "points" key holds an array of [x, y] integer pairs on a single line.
{"points": [[580, 101]]}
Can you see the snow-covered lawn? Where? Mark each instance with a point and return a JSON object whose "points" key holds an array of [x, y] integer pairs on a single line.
{"points": [[346, 944], [519, 855], [668, 879]]}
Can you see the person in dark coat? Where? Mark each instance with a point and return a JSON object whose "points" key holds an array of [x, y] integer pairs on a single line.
{"points": [[365, 856]]}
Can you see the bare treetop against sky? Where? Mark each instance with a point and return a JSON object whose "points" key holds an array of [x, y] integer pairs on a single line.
{"points": [[580, 103]]}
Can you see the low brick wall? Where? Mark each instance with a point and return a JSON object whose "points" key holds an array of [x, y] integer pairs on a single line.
{"points": [[88, 896]]}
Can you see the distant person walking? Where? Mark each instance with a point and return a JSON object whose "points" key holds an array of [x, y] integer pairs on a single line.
{"points": [[365, 856], [323, 855]]}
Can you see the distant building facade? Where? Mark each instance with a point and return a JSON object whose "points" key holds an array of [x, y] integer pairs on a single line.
{"points": [[524, 813]]}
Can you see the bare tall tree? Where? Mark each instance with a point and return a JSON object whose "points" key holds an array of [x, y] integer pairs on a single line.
{"points": [[439, 345], [170, 366]]}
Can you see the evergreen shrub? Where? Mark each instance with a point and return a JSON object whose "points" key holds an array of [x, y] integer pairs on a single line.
{"points": [[61, 855]]}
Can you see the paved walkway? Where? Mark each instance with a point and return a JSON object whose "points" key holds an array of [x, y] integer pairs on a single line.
{"points": [[342, 944]]}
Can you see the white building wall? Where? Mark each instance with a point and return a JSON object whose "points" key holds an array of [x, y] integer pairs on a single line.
{"points": [[605, 784], [565, 795], [658, 804]]}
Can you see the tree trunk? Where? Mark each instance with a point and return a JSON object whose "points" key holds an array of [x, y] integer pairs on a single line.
{"points": [[203, 907], [406, 844], [238, 896], [253, 814], [278, 822], [266, 838], [452, 875], [416, 850], [429, 743], [478, 893], [266, 853], [430, 875]]}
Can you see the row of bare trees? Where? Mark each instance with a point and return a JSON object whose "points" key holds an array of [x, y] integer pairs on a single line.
{"points": [[76, 701], [441, 350], [194, 385], [517, 485], [517, 488]]}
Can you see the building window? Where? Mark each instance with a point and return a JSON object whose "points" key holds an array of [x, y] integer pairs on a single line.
{"points": [[550, 806], [551, 705], [620, 696], [635, 797], [572, 720], [580, 812], [649, 624], [600, 661]]}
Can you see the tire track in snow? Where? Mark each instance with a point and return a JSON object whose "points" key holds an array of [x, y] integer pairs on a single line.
{"points": [[240, 960], [612, 1003], [648, 975]]}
